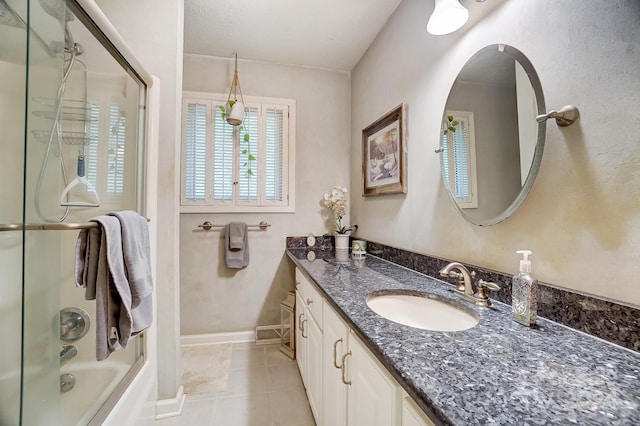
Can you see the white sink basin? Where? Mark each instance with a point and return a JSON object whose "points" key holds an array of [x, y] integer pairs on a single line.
{"points": [[422, 312]]}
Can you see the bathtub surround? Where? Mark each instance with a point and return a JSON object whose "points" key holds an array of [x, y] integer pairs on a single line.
{"points": [[614, 322]]}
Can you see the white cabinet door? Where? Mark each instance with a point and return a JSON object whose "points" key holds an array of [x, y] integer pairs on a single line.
{"points": [[412, 415], [335, 341], [301, 338], [314, 368], [373, 396]]}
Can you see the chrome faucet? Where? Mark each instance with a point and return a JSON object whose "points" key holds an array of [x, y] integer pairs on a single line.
{"points": [[466, 286], [67, 352]]}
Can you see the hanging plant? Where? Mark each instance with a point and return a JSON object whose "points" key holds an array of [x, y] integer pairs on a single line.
{"points": [[235, 108], [450, 124], [244, 137]]}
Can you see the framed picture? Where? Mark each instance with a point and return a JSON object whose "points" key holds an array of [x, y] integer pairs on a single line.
{"points": [[384, 155]]}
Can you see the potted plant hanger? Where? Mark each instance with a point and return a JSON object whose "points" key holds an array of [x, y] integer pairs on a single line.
{"points": [[235, 108]]}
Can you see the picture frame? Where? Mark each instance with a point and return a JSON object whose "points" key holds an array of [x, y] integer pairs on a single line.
{"points": [[384, 153]]}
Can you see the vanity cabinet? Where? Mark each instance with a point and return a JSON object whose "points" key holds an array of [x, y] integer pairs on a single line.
{"points": [[301, 337], [335, 344], [345, 383], [412, 415], [373, 395], [309, 345]]}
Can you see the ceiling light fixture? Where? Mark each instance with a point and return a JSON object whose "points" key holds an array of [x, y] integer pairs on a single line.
{"points": [[447, 17]]}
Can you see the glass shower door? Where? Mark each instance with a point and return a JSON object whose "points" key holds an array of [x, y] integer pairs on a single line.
{"points": [[30, 60], [60, 108], [13, 60]]}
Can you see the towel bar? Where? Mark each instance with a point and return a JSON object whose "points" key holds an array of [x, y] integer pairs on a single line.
{"points": [[208, 226], [58, 226]]}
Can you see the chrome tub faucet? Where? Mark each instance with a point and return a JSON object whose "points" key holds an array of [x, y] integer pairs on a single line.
{"points": [[67, 352]]}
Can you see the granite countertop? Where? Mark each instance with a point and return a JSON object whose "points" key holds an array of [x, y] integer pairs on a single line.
{"points": [[498, 372]]}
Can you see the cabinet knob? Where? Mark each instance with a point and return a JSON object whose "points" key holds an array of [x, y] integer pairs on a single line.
{"points": [[309, 301]]}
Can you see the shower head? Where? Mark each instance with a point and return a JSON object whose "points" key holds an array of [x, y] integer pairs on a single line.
{"points": [[9, 17], [57, 9]]}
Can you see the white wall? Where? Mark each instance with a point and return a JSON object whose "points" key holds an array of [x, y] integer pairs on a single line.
{"points": [[213, 298], [582, 216], [154, 31]]}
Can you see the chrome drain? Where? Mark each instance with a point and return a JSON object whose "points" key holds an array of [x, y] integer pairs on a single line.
{"points": [[67, 382]]}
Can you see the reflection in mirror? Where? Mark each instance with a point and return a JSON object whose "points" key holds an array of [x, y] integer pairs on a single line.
{"points": [[491, 143]]}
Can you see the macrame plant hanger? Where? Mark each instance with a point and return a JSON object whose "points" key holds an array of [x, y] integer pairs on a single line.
{"points": [[235, 109]]}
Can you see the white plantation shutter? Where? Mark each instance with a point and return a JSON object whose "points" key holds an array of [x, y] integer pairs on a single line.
{"points": [[115, 153], [196, 152], [461, 161], [223, 164], [91, 147], [274, 141], [237, 168], [458, 159], [249, 170]]}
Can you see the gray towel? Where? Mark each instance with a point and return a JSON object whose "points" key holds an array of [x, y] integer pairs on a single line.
{"points": [[137, 262], [236, 257], [113, 295], [113, 264], [236, 235], [87, 252]]}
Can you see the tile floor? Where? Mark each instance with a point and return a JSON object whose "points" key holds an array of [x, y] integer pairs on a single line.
{"points": [[264, 388]]}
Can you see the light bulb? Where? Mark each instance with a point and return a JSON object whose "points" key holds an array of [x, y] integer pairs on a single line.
{"points": [[447, 17]]}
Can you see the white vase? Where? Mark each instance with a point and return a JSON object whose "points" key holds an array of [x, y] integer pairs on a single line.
{"points": [[341, 241]]}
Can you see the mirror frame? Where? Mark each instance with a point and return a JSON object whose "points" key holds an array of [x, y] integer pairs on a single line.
{"points": [[537, 156]]}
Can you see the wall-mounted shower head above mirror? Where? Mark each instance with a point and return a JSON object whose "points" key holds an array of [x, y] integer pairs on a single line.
{"points": [[491, 144]]}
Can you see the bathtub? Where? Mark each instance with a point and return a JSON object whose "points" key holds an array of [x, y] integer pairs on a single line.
{"points": [[95, 381]]}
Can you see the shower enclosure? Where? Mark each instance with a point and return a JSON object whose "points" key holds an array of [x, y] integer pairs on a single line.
{"points": [[71, 148]]}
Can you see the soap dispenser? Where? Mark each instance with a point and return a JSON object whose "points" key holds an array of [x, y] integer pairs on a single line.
{"points": [[524, 292]]}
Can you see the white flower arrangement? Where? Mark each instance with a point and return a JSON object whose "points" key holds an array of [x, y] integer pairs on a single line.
{"points": [[336, 200]]}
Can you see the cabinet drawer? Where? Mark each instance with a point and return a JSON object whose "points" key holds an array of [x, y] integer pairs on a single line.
{"points": [[311, 297]]}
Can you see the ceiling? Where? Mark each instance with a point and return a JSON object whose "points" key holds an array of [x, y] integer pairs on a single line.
{"points": [[331, 34]]}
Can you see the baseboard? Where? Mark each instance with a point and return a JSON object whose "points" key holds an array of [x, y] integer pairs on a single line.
{"points": [[212, 338], [171, 407]]}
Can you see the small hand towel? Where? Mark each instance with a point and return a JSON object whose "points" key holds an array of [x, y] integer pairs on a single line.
{"points": [[236, 258], [236, 235]]}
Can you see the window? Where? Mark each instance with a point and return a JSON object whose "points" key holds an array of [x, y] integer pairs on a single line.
{"points": [[242, 168], [107, 156], [459, 159]]}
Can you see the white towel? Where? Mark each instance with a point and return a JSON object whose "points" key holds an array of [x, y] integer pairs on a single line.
{"points": [[137, 261], [236, 258]]}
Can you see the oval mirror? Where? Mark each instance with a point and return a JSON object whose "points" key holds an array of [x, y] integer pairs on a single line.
{"points": [[491, 144]]}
